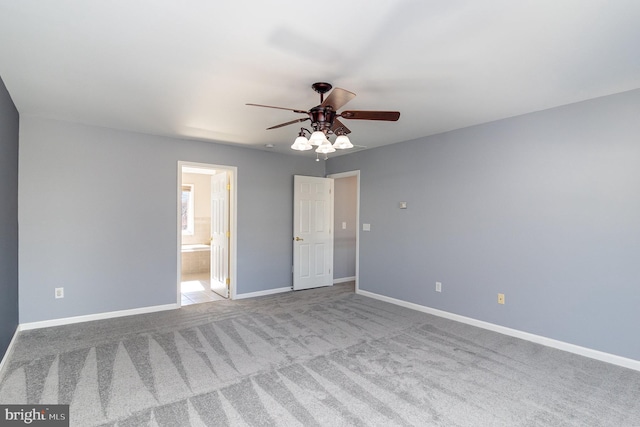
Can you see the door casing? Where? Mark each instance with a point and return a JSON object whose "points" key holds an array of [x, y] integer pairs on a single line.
{"points": [[355, 173], [233, 216]]}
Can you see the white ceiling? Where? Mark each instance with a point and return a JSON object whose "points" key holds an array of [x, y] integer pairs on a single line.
{"points": [[186, 68]]}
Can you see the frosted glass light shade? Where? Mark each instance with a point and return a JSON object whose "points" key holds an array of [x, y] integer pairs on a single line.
{"points": [[301, 144], [317, 138], [325, 148], [342, 143]]}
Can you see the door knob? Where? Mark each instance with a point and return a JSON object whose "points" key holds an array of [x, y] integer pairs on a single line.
{"points": [[297, 239]]}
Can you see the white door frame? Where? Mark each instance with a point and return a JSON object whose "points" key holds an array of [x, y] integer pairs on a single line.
{"points": [[355, 173], [233, 222]]}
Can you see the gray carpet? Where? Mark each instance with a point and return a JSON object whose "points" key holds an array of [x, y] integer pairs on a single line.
{"points": [[310, 358]]}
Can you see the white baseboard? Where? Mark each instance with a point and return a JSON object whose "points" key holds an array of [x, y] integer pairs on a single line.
{"points": [[7, 354], [263, 293], [549, 342], [99, 316], [344, 279]]}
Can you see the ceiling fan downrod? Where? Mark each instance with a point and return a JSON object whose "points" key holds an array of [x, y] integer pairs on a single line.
{"points": [[321, 88]]}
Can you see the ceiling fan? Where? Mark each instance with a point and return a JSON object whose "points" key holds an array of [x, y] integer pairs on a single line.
{"points": [[325, 120]]}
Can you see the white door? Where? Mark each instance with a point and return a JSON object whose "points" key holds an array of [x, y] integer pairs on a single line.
{"points": [[312, 232], [220, 233]]}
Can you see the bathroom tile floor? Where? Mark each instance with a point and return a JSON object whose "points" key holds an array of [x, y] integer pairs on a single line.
{"points": [[195, 289]]}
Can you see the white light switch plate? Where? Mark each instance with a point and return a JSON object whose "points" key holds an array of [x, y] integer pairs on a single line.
{"points": [[366, 227], [344, 225]]}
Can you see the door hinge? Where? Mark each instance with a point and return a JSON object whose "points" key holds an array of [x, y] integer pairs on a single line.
{"points": [[228, 234], [228, 281], [228, 186]]}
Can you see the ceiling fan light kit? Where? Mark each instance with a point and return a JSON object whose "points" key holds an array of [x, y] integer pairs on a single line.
{"points": [[318, 138], [325, 148], [325, 122], [342, 142], [301, 144]]}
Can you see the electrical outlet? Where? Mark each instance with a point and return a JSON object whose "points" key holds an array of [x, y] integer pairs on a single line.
{"points": [[59, 293], [500, 298], [438, 287]]}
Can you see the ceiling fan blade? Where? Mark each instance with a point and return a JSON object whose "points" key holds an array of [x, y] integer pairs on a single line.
{"points": [[279, 108], [337, 98], [337, 124], [288, 123], [390, 116]]}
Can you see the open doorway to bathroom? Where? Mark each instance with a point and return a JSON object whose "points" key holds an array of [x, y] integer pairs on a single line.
{"points": [[206, 235]]}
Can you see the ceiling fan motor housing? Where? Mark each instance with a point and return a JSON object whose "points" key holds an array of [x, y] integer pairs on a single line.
{"points": [[322, 117]]}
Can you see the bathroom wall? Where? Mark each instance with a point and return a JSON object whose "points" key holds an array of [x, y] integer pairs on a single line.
{"points": [[202, 208]]}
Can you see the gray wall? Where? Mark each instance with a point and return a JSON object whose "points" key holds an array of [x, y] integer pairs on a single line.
{"points": [[98, 216], [543, 207], [9, 124], [344, 243]]}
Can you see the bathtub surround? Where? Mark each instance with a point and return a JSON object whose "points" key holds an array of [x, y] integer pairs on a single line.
{"points": [[317, 357], [196, 259]]}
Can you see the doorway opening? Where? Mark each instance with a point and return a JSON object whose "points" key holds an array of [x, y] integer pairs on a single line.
{"points": [[346, 217], [206, 250]]}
